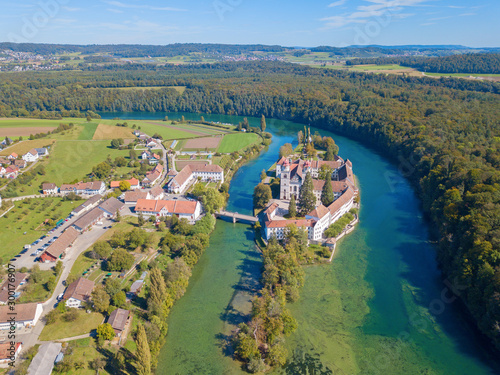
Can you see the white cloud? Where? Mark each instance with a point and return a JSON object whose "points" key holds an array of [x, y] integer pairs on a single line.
{"points": [[337, 3], [147, 7], [114, 10], [69, 9], [374, 8], [467, 14]]}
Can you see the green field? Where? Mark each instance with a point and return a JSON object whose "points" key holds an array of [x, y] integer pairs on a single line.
{"points": [[33, 122], [88, 131], [378, 67], [26, 216], [237, 141], [462, 75]]}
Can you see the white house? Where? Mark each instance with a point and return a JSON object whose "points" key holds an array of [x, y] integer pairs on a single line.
{"points": [[27, 315], [206, 172], [49, 188], [190, 210], [31, 155], [42, 151], [78, 292]]}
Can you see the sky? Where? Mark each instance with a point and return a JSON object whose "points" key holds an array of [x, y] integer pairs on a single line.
{"points": [[305, 23]]}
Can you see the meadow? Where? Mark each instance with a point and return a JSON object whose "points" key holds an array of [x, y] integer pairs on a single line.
{"points": [[237, 141]]}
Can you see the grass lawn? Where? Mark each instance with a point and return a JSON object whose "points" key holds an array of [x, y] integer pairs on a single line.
{"points": [[33, 122], [26, 216], [36, 292], [73, 160], [23, 147], [88, 131], [84, 351], [237, 141], [61, 329], [151, 128], [462, 75], [378, 67], [82, 263]]}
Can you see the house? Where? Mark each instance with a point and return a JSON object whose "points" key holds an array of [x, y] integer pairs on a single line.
{"points": [[31, 155], [6, 141], [111, 206], [4, 161], [11, 285], [118, 320], [131, 197], [89, 219], [171, 174], [157, 192], [49, 188], [191, 172], [134, 184], [150, 157], [20, 163], [2, 171], [9, 351], [78, 292], [43, 362], [11, 172], [56, 250], [13, 156], [136, 287], [278, 228], [42, 152], [152, 143], [27, 315], [153, 176], [87, 205], [190, 210], [84, 188]]}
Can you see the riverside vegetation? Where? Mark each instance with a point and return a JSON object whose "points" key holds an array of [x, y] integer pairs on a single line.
{"points": [[444, 133]]}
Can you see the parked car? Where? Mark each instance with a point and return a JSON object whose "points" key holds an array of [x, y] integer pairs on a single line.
{"points": [[60, 296]]}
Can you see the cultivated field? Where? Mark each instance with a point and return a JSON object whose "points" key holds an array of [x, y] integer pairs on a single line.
{"points": [[88, 131], [24, 146], [111, 132], [202, 143], [237, 141]]}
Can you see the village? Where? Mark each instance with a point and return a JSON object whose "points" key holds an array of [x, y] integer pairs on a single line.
{"points": [[106, 204]]}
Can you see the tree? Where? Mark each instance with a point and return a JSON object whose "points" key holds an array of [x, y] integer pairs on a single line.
{"points": [[120, 260], [120, 161], [124, 185], [300, 136], [140, 219], [263, 174], [116, 143], [142, 353], [118, 216], [213, 200], [157, 292], [103, 249], [119, 299], [307, 198], [112, 286], [261, 195], [263, 123], [292, 208], [327, 196], [100, 299], [105, 331], [286, 150], [132, 155], [102, 170]]}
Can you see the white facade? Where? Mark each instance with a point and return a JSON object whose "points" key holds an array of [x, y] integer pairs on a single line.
{"points": [[29, 157], [73, 303]]}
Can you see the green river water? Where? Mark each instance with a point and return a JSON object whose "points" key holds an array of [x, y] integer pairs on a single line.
{"points": [[379, 308]]}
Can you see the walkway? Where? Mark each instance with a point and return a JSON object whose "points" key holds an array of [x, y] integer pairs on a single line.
{"points": [[236, 216]]}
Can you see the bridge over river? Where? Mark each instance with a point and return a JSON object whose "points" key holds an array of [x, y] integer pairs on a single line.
{"points": [[236, 217]]}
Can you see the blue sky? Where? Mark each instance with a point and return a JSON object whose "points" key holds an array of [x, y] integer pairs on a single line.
{"points": [[289, 23]]}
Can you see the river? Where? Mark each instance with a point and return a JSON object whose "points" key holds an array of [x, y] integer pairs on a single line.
{"points": [[379, 308]]}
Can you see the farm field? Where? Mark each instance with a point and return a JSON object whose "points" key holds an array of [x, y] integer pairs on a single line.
{"points": [[24, 146], [237, 141], [26, 216], [210, 143], [104, 131], [33, 122], [23, 131], [88, 131]]}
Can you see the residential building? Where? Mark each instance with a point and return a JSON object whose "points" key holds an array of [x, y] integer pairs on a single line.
{"points": [[134, 184], [153, 176], [11, 172], [9, 351], [78, 292], [56, 250], [27, 315], [6, 141], [191, 210], [13, 156], [118, 320], [87, 205], [191, 172], [49, 188], [20, 163], [111, 206], [278, 228], [131, 197], [157, 192], [43, 362], [42, 152], [84, 188], [31, 155]]}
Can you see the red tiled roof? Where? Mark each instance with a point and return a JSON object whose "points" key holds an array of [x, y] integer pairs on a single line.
{"points": [[80, 289], [24, 312], [340, 201], [172, 206], [62, 243], [319, 212], [284, 223], [134, 196]]}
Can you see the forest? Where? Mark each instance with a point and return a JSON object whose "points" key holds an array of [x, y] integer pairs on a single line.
{"points": [[443, 133], [480, 63]]}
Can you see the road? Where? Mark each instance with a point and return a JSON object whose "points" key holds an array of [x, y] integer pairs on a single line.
{"points": [[82, 244]]}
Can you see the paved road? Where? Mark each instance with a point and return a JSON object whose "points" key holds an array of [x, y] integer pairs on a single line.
{"points": [[82, 244]]}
